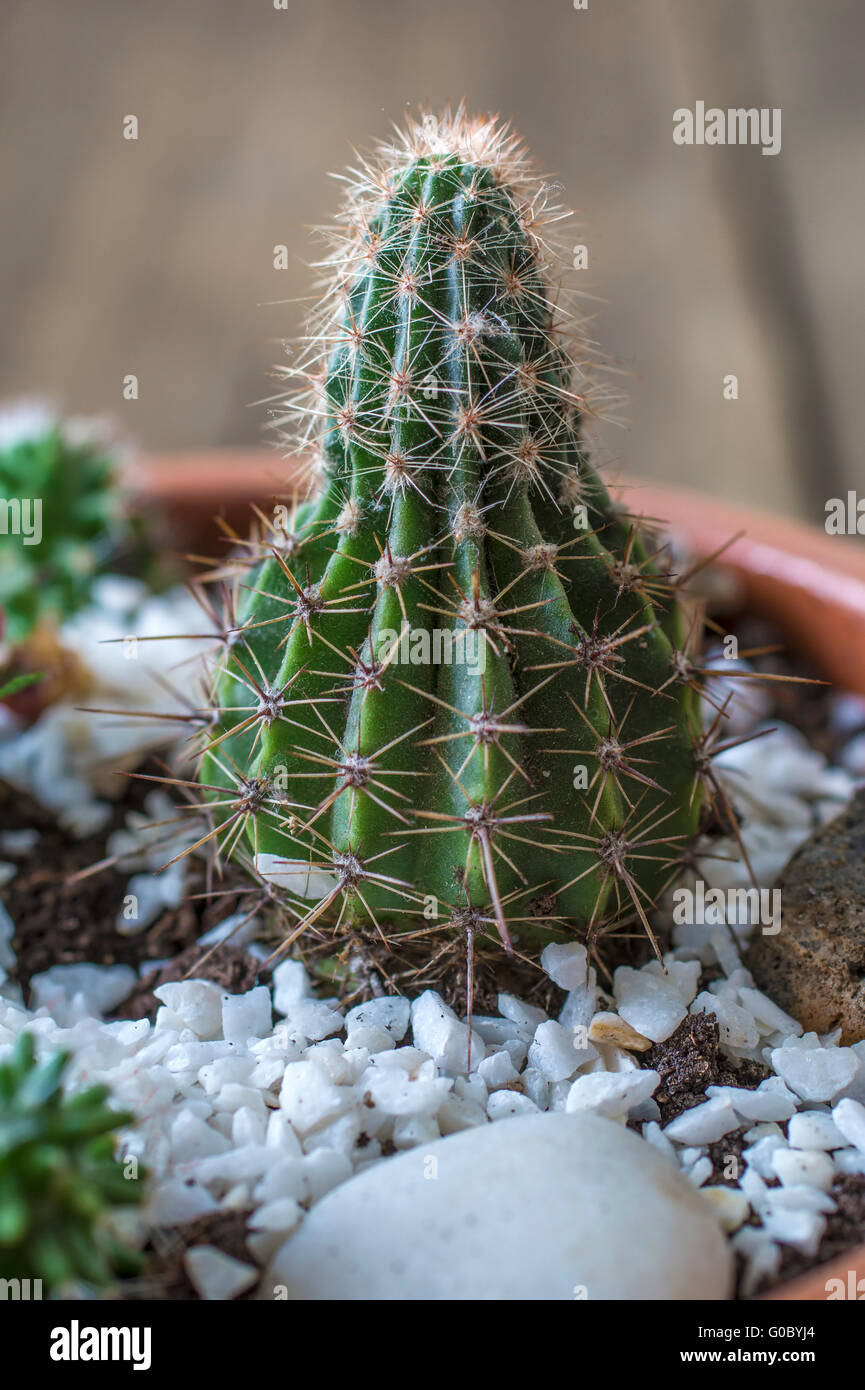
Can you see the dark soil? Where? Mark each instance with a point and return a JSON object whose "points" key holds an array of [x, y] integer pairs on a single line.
{"points": [[165, 1277], [690, 1060], [61, 920], [227, 966]]}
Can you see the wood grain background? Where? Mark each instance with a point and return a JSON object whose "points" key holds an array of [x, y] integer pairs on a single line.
{"points": [[154, 257]]}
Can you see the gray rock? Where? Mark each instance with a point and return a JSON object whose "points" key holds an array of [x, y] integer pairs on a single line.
{"points": [[815, 966]]}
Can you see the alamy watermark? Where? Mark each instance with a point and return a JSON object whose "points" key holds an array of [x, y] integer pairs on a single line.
{"points": [[701, 905], [22, 516], [845, 516], [20, 1290], [734, 126], [420, 646], [77, 1343], [853, 1288]]}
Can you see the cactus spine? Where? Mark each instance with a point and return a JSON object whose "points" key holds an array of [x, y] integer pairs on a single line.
{"points": [[545, 774]]}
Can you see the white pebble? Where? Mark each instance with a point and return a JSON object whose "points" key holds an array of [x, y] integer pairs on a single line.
{"points": [[523, 1210], [683, 975], [225, 1071], [411, 1130], [390, 1012], [811, 1129], [689, 1156], [285, 1178], [457, 1112], [761, 1156], [726, 951], [249, 1123], [774, 1019], [192, 1138], [517, 1049], [699, 1172], [810, 1167], [282, 1214], [539, 1089], [770, 1101], [471, 1088], [399, 1092], [654, 1135], [552, 1051], [566, 965], [524, 1015], [245, 1165], [234, 1097], [176, 1201], [611, 1093], [197, 1002], [703, 1124], [816, 1073], [762, 1257], [849, 1118], [310, 1099], [315, 1019], [498, 1031], [72, 992], [580, 1004], [437, 1031], [290, 985], [374, 1040], [497, 1070], [798, 1197], [502, 1105], [650, 1003], [850, 1161], [215, 1275], [802, 1229], [246, 1016], [735, 1025]]}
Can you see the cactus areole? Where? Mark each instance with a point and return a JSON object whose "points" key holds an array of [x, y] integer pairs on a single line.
{"points": [[456, 687]]}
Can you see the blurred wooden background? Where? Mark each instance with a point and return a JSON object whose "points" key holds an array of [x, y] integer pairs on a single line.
{"points": [[154, 257]]}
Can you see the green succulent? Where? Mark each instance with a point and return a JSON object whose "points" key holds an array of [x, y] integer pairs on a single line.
{"points": [[59, 1176], [61, 522], [458, 683]]}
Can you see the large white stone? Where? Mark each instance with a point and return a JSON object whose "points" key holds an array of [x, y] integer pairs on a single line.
{"points": [[546, 1206]]}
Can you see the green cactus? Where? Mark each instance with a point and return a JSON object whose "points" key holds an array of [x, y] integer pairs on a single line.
{"points": [[545, 776], [63, 522], [59, 1177]]}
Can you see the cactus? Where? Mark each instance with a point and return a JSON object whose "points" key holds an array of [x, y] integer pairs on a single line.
{"points": [[59, 497], [59, 1177], [457, 686]]}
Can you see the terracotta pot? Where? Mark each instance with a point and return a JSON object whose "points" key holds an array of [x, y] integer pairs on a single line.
{"points": [[811, 584], [190, 490]]}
